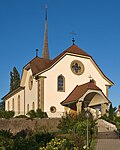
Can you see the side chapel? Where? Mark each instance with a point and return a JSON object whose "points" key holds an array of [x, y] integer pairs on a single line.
{"points": [[69, 83]]}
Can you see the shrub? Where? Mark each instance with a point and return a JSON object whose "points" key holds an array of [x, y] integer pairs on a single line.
{"points": [[67, 122], [32, 114], [38, 114], [42, 138], [23, 133], [6, 140], [23, 140], [59, 144], [6, 114]]}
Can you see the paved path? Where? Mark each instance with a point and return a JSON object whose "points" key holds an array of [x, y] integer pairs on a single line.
{"points": [[108, 144]]}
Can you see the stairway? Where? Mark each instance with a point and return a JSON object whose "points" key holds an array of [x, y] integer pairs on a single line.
{"points": [[106, 130], [108, 135]]}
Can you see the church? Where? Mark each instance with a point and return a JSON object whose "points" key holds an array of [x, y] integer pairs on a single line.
{"points": [[70, 82]]}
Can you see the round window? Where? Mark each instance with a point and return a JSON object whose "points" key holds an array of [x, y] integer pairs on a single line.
{"points": [[77, 67], [53, 109], [30, 82]]}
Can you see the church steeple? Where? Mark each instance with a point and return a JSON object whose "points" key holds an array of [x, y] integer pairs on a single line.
{"points": [[45, 53]]}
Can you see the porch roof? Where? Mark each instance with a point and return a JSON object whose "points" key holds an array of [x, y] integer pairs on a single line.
{"points": [[79, 91]]}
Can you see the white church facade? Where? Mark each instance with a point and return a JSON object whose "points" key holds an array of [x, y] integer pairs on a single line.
{"points": [[70, 82]]}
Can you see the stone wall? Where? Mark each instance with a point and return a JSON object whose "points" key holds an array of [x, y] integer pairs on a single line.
{"points": [[17, 124]]}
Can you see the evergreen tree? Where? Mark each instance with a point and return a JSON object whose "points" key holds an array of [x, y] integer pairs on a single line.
{"points": [[14, 79], [2, 105], [11, 81]]}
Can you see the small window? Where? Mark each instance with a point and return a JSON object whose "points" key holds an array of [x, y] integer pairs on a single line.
{"points": [[27, 108], [18, 104], [13, 104], [8, 106], [30, 82], [61, 83], [33, 106], [53, 109]]}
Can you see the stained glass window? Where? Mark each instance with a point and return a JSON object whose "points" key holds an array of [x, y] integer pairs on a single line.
{"points": [[61, 83]]}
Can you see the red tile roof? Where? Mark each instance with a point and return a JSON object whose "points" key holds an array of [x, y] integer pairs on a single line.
{"points": [[76, 50], [73, 50], [40, 64], [79, 91]]}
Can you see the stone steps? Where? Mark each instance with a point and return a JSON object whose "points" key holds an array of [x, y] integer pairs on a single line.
{"points": [[108, 135]]}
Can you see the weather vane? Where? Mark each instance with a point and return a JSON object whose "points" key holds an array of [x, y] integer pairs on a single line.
{"points": [[73, 34]]}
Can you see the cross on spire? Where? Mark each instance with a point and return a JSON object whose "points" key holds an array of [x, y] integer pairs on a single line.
{"points": [[73, 34]]}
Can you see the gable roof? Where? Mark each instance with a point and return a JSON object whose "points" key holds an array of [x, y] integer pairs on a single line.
{"points": [[73, 50], [79, 91], [76, 50], [39, 65]]}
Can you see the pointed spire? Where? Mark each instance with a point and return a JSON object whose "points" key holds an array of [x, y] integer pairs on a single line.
{"points": [[45, 53]]}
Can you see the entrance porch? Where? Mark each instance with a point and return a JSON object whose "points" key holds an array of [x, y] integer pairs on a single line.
{"points": [[87, 96]]}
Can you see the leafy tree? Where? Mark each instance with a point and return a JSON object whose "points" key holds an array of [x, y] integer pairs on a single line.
{"points": [[76, 126], [14, 79], [112, 112], [66, 123]]}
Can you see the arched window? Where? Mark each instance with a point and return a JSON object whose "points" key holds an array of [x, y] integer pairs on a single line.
{"points": [[27, 108], [18, 104], [61, 83], [33, 106], [13, 104], [8, 105]]}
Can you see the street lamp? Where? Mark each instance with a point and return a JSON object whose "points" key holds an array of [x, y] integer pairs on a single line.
{"points": [[87, 116]]}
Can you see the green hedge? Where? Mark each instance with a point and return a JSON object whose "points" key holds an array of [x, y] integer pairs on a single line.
{"points": [[6, 114]]}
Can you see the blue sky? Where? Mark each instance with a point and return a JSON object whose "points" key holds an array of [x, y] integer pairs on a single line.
{"points": [[96, 22]]}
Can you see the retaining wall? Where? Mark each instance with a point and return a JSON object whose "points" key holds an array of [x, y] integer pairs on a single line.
{"points": [[17, 124]]}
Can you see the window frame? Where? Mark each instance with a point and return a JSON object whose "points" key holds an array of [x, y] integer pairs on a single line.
{"points": [[63, 84]]}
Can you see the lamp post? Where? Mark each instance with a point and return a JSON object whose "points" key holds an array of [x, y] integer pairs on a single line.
{"points": [[87, 140]]}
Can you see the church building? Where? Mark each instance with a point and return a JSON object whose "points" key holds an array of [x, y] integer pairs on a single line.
{"points": [[69, 83]]}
